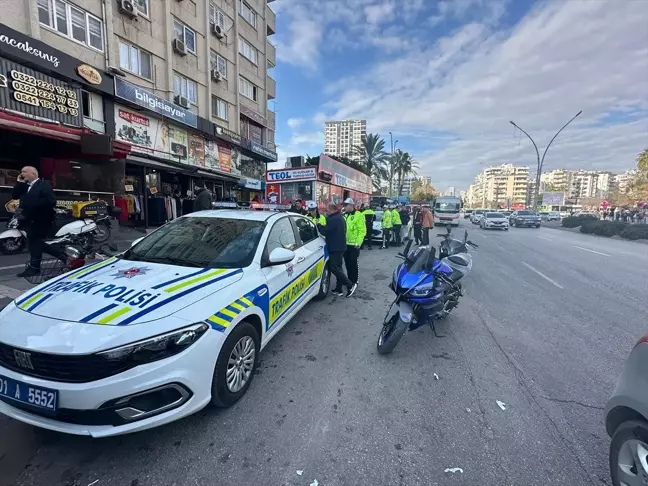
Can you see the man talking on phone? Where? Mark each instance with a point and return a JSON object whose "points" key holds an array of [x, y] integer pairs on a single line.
{"points": [[36, 213]]}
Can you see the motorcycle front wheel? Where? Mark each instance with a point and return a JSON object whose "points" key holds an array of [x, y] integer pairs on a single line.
{"points": [[392, 331], [12, 246], [102, 233]]}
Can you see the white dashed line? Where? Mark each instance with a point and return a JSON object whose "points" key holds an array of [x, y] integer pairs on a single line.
{"points": [[591, 251], [9, 267], [550, 280], [543, 238]]}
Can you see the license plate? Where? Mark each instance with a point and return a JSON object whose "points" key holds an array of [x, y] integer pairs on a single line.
{"points": [[28, 394], [446, 219]]}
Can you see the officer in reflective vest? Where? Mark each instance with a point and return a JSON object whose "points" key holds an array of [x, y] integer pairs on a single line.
{"points": [[386, 225], [396, 225], [313, 213], [355, 233], [370, 216]]}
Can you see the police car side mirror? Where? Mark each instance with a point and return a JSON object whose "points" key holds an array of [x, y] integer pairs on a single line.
{"points": [[136, 241], [279, 256]]}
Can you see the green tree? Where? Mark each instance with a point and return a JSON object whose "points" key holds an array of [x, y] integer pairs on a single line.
{"points": [[424, 192], [406, 166], [373, 157], [638, 187]]}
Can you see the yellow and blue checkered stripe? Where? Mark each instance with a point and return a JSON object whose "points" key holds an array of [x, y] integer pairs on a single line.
{"points": [[221, 320]]}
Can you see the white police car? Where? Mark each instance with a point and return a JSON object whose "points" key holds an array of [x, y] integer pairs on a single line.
{"points": [[162, 330]]}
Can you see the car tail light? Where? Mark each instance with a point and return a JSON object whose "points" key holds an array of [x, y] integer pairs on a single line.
{"points": [[643, 340]]}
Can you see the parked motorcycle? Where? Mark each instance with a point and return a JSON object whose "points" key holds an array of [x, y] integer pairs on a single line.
{"points": [[450, 246], [427, 289]]}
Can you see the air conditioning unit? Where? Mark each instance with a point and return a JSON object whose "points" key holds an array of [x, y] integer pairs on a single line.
{"points": [[217, 30], [179, 47], [181, 100], [127, 8], [216, 75]]}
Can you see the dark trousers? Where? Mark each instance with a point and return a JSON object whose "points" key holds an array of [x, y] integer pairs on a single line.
{"points": [[36, 246], [386, 236], [351, 262], [397, 234], [426, 236], [335, 262], [417, 233], [369, 235]]}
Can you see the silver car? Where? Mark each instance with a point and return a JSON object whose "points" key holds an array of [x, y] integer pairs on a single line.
{"points": [[494, 220], [626, 420]]}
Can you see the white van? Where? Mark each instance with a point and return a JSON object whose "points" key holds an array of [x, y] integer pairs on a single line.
{"points": [[447, 210]]}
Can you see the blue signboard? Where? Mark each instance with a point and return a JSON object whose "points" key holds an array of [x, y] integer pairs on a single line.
{"points": [[141, 97], [261, 150]]}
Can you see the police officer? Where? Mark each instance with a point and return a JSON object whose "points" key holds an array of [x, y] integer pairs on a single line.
{"points": [[314, 214], [386, 225], [396, 225], [370, 216], [355, 233]]}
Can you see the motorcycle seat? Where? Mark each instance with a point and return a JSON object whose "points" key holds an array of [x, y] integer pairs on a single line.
{"points": [[459, 260]]}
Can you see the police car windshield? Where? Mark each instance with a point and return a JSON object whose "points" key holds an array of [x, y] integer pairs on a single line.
{"points": [[201, 242]]}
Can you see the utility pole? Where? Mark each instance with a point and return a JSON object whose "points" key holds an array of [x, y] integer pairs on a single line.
{"points": [[534, 202]]}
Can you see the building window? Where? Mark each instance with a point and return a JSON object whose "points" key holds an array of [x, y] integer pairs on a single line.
{"points": [[216, 16], [220, 108], [71, 22], [247, 13], [185, 87], [142, 7], [185, 35], [247, 89], [219, 63], [135, 60], [248, 51]]}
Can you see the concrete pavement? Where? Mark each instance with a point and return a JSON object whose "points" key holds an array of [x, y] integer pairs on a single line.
{"points": [[547, 320]]}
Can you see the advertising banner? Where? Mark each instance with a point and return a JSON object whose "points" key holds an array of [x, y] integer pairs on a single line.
{"points": [[196, 150], [290, 175], [261, 150], [235, 160], [178, 143], [552, 198], [27, 91], [147, 135], [141, 97], [225, 158], [211, 155], [345, 176], [272, 193]]}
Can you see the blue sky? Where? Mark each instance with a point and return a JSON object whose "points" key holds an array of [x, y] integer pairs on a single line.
{"points": [[447, 76]]}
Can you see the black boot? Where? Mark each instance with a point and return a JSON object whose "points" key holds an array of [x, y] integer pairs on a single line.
{"points": [[29, 272]]}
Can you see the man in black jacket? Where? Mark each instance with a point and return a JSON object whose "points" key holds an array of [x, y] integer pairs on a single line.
{"points": [[335, 233], [203, 198], [37, 202]]}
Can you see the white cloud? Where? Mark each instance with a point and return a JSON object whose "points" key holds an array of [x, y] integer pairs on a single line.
{"points": [[379, 13], [562, 58], [294, 122]]}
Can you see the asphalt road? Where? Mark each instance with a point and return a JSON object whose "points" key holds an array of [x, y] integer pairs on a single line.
{"points": [[546, 323]]}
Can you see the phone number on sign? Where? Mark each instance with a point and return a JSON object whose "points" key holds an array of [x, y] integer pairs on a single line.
{"points": [[36, 92]]}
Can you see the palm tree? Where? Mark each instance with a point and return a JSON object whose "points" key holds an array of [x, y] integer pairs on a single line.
{"points": [[406, 167], [372, 155]]}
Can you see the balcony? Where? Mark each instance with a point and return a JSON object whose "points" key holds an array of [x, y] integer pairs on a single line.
{"points": [[271, 87], [271, 21], [271, 119], [271, 54]]}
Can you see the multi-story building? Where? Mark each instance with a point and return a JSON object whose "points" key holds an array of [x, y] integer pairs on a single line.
{"points": [[408, 182], [184, 85], [621, 181], [577, 183], [504, 185], [340, 137]]}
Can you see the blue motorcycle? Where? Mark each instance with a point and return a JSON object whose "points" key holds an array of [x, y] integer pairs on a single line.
{"points": [[427, 289]]}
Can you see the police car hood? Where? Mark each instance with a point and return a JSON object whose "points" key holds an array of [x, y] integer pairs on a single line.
{"points": [[121, 292]]}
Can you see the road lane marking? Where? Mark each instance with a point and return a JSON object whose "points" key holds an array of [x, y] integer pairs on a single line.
{"points": [[550, 280], [543, 238], [591, 251], [9, 267]]}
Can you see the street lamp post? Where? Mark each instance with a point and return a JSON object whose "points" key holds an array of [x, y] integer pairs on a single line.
{"points": [[534, 202]]}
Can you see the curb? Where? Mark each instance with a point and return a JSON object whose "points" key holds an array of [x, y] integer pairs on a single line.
{"points": [[615, 237]]}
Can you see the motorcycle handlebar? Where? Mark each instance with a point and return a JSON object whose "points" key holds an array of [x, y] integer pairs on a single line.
{"points": [[474, 245]]}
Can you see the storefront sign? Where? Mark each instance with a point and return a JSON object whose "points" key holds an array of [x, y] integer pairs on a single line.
{"points": [[30, 92], [224, 158], [147, 135], [234, 162], [141, 97], [290, 175], [254, 184], [261, 150], [25, 49], [253, 115], [211, 155], [228, 135], [90, 74], [178, 143], [196, 150]]}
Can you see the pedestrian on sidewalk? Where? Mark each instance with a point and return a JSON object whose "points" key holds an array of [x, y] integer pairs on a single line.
{"points": [[427, 223], [36, 213], [335, 233], [203, 197]]}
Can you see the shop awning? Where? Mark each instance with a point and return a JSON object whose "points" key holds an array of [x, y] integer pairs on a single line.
{"points": [[54, 131], [182, 168]]}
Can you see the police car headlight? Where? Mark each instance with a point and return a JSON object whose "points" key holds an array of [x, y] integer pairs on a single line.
{"points": [[158, 347]]}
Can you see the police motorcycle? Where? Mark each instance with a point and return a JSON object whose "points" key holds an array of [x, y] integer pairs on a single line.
{"points": [[427, 289], [451, 246]]}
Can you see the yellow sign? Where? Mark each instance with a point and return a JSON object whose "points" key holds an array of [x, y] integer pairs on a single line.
{"points": [[90, 74], [284, 299]]}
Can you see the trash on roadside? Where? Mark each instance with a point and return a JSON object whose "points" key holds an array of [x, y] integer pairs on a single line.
{"points": [[452, 470], [436, 377], [501, 405], [314, 483], [299, 473]]}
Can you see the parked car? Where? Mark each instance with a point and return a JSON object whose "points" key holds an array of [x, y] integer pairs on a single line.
{"points": [[376, 230], [626, 419], [476, 216], [468, 213], [507, 213], [524, 217], [553, 216], [494, 220]]}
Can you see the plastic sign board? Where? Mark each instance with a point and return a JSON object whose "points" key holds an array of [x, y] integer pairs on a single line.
{"points": [[292, 175]]}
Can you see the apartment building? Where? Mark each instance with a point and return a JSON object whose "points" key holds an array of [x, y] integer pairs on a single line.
{"points": [[499, 186], [578, 183], [408, 183], [185, 84], [622, 181], [340, 137]]}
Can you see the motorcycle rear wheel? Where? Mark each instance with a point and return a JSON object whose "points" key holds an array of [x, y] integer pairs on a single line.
{"points": [[391, 334], [12, 246], [102, 233]]}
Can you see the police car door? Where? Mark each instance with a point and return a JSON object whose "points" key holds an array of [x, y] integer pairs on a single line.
{"points": [[280, 278], [311, 249]]}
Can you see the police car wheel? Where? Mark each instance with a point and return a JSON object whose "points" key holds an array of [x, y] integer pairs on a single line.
{"points": [[236, 365], [325, 284]]}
